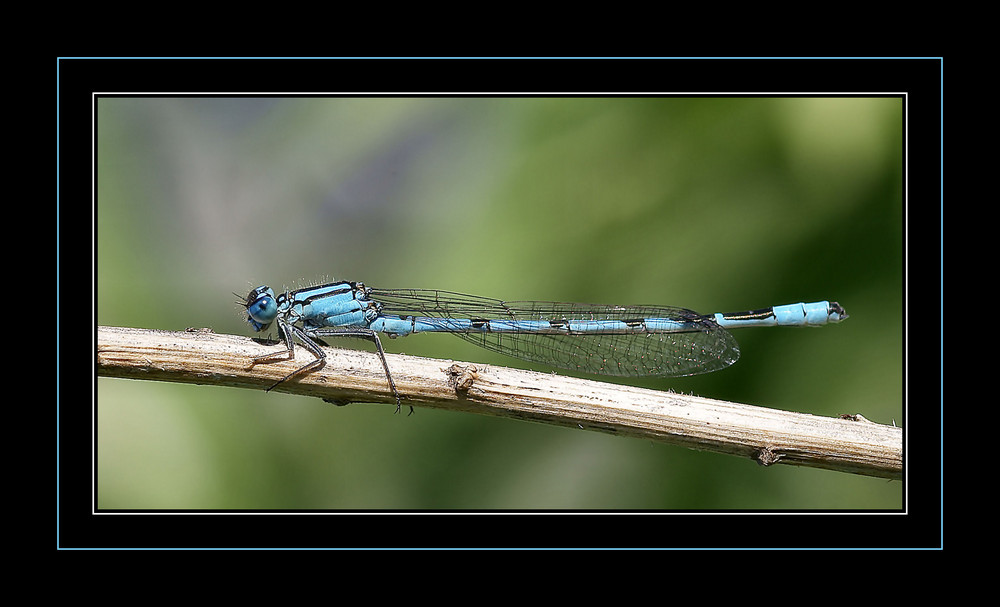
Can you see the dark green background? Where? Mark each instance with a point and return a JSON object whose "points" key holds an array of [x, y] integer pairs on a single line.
{"points": [[715, 204]]}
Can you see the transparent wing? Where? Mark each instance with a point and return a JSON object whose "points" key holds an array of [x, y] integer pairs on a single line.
{"points": [[696, 344]]}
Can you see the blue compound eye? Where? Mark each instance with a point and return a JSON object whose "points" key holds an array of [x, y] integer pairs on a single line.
{"points": [[261, 308]]}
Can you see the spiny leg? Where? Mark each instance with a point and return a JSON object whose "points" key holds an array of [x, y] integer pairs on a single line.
{"points": [[287, 332], [289, 351], [371, 336]]}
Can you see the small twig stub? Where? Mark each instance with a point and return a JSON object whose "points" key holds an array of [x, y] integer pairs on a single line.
{"points": [[461, 377], [766, 456]]}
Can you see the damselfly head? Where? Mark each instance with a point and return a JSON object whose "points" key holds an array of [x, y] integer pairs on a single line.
{"points": [[261, 307]]}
